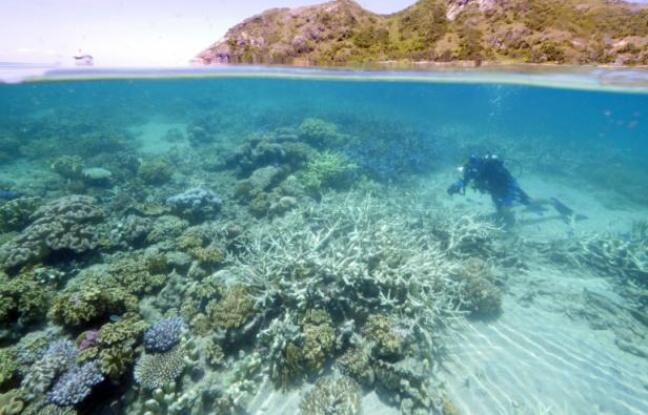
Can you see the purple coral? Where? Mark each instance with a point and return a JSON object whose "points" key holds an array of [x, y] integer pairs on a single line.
{"points": [[75, 384], [89, 339], [163, 335]]}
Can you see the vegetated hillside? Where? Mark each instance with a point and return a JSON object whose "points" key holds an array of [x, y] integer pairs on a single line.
{"points": [[536, 31]]}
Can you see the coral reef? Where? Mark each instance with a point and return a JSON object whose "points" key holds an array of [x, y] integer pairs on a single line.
{"points": [[69, 167], [155, 293], [624, 256], [69, 223], [356, 364], [97, 176], [136, 274]]}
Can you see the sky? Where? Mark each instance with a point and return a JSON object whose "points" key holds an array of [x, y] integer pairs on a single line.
{"points": [[129, 32]]}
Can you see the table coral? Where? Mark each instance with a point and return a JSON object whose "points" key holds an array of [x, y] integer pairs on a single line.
{"points": [[155, 370]]}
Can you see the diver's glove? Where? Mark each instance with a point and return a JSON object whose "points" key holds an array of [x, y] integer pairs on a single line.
{"points": [[456, 187]]}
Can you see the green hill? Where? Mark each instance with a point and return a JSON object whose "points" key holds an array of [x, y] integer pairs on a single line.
{"points": [[511, 31]]}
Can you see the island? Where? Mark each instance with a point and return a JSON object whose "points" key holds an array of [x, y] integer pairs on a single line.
{"points": [[441, 32]]}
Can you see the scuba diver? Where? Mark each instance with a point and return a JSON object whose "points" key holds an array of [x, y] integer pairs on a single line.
{"points": [[487, 174]]}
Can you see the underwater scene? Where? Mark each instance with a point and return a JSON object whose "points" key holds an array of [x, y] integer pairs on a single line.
{"points": [[322, 246]]}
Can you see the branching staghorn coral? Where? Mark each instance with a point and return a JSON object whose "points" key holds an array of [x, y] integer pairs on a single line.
{"points": [[356, 256], [624, 256]]}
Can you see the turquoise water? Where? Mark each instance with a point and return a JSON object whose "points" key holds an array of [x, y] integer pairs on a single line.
{"points": [[286, 243]]}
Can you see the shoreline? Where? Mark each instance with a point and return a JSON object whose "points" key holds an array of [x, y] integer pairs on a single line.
{"points": [[632, 79]]}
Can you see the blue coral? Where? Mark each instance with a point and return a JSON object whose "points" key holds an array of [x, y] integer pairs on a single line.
{"points": [[59, 356], [75, 384], [163, 335]]}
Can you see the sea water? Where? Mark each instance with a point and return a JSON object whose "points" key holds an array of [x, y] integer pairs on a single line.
{"points": [[297, 225]]}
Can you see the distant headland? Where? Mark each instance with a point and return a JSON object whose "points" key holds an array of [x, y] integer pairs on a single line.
{"points": [[441, 32]]}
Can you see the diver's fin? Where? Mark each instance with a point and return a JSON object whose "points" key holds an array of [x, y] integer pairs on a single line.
{"points": [[567, 213], [561, 207]]}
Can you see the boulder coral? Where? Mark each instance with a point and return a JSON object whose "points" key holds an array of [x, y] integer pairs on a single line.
{"points": [[195, 204]]}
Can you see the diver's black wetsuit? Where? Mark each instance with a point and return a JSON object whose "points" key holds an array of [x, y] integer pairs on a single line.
{"points": [[487, 174]]}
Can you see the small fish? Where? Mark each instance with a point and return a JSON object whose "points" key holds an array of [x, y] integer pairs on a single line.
{"points": [[6, 194]]}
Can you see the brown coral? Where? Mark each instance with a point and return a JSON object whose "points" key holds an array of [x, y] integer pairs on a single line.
{"points": [[233, 310]]}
